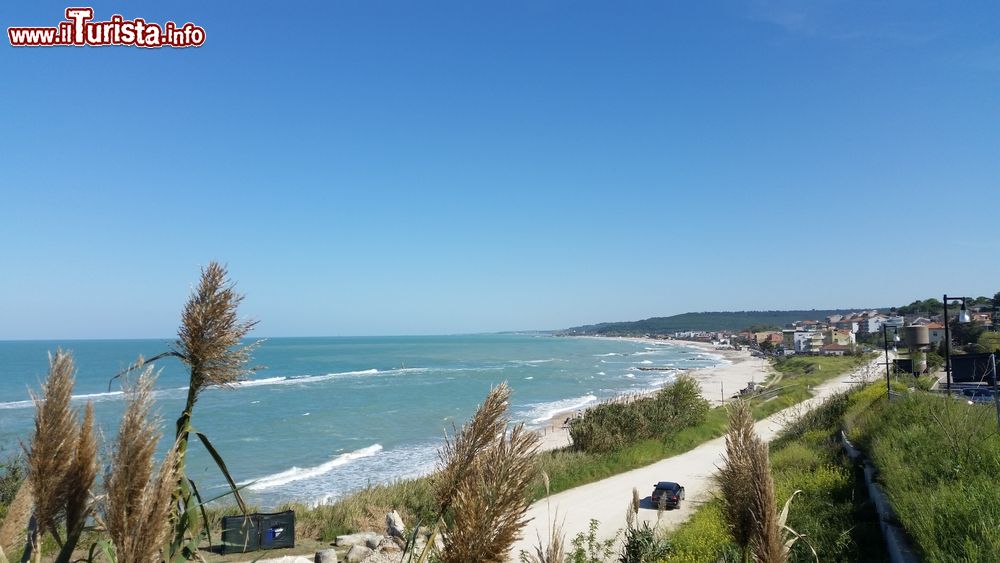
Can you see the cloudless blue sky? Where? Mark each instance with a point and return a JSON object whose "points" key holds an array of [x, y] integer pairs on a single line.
{"points": [[384, 167]]}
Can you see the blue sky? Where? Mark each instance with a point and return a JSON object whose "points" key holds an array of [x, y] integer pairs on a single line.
{"points": [[454, 166]]}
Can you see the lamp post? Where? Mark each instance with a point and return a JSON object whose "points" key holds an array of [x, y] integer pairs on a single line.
{"points": [[963, 317], [885, 345]]}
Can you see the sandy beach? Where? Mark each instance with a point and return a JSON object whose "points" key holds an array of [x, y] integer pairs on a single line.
{"points": [[717, 383]]}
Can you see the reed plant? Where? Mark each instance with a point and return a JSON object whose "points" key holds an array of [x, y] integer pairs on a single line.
{"points": [[210, 343], [747, 493], [481, 488], [137, 509], [62, 464]]}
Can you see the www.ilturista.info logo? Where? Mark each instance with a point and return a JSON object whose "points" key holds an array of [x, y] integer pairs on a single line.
{"points": [[79, 30]]}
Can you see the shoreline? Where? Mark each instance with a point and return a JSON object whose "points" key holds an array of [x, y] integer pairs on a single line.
{"points": [[717, 383]]}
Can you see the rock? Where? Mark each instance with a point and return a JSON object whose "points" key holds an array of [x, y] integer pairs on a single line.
{"points": [[385, 558], [394, 525], [373, 542], [286, 559], [355, 539], [389, 545], [326, 556], [357, 554]]}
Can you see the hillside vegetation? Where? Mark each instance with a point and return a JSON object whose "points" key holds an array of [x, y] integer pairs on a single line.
{"points": [[707, 321], [938, 459]]}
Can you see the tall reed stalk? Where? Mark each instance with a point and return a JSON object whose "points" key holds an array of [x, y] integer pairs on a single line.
{"points": [[138, 507], [486, 471], [209, 343], [749, 504], [62, 462]]}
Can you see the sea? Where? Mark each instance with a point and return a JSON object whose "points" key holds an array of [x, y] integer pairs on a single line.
{"points": [[324, 416]]}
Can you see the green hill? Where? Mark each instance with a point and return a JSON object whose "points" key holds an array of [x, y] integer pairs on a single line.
{"points": [[708, 321]]}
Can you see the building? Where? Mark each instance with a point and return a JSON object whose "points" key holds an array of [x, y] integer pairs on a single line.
{"points": [[834, 350], [838, 336], [808, 341], [872, 323], [847, 323]]}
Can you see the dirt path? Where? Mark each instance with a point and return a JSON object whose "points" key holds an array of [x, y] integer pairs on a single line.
{"points": [[607, 500]]}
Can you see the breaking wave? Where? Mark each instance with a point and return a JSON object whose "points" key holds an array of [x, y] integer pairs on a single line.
{"points": [[300, 473]]}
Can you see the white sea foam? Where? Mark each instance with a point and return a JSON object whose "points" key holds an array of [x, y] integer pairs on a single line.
{"points": [[257, 382], [646, 362], [402, 462], [534, 363], [530, 377], [277, 380], [538, 413], [95, 397], [608, 355], [301, 473], [601, 373]]}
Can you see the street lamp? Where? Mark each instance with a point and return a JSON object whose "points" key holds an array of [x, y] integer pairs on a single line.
{"points": [[963, 317], [885, 345]]}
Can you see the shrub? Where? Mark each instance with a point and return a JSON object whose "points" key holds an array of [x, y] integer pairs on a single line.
{"points": [[612, 426]]}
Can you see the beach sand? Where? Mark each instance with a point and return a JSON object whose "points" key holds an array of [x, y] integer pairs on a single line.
{"points": [[718, 384]]}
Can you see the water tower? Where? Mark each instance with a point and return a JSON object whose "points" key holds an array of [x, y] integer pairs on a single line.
{"points": [[917, 341]]}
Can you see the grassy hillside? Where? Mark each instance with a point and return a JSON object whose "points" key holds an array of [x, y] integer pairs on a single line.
{"points": [[709, 321]]}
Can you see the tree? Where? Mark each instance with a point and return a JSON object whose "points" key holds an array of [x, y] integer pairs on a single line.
{"points": [[990, 341], [966, 333]]}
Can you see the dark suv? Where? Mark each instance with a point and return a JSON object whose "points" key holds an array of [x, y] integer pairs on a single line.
{"points": [[669, 493]]}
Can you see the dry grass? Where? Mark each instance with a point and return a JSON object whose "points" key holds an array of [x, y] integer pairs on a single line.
{"points": [[12, 533], [51, 454], [747, 488], [210, 334], [736, 474], [458, 455], [483, 483], [766, 541], [62, 461], [81, 476], [137, 514], [554, 550]]}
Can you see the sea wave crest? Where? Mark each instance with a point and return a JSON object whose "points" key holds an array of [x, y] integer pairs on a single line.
{"points": [[540, 412], [300, 473]]}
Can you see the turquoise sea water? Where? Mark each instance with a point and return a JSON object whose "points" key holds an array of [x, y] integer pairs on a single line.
{"points": [[329, 415]]}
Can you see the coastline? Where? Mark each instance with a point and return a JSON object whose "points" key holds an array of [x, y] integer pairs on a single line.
{"points": [[718, 383]]}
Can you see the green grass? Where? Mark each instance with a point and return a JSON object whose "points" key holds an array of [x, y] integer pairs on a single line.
{"points": [[938, 459], [832, 511]]}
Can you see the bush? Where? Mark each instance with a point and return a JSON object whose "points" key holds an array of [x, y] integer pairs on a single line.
{"points": [[643, 544], [612, 426], [12, 473]]}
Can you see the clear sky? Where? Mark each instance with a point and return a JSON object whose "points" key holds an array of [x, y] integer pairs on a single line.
{"points": [[384, 167]]}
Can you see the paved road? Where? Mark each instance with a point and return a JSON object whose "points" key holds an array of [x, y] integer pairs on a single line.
{"points": [[608, 499]]}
